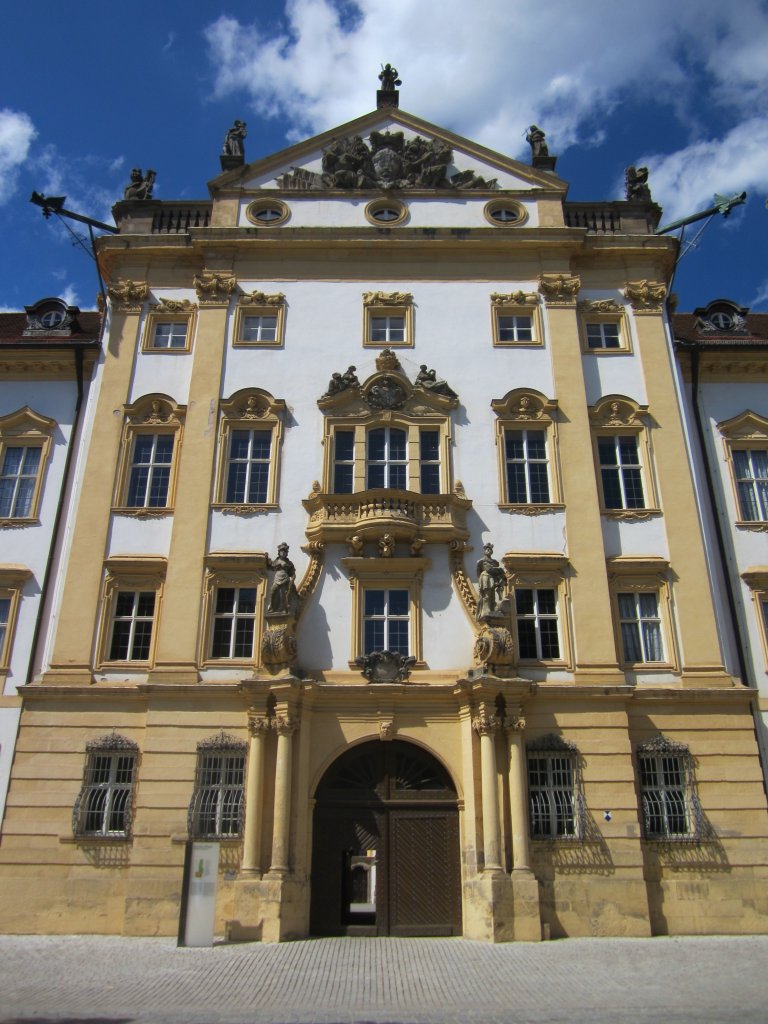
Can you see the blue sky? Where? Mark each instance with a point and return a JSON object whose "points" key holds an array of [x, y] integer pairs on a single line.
{"points": [[90, 90]]}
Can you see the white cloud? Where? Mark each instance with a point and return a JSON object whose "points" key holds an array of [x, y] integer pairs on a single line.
{"points": [[686, 181], [16, 135], [490, 74], [73, 177], [760, 299], [70, 296]]}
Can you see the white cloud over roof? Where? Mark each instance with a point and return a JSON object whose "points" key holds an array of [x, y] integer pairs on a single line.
{"points": [[16, 135]]}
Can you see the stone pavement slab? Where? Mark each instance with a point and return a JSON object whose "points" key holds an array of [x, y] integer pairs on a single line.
{"points": [[114, 980]]}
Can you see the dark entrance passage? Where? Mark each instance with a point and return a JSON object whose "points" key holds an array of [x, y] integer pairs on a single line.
{"points": [[385, 857]]}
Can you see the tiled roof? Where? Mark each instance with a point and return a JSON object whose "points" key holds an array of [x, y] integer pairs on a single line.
{"points": [[13, 325], [686, 329]]}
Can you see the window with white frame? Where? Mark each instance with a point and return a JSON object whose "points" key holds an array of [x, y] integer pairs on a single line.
{"points": [[386, 620], [146, 472], [756, 578], [515, 319], [527, 477], [343, 461], [133, 620], [387, 319], [620, 472], [387, 458], [216, 810], [536, 618], [104, 804], [640, 624], [669, 804], [234, 623], [553, 794], [150, 472], [25, 443], [622, 450], [12, 580], [526, 439], [603, 335], [170, 334], [248, 466], [750, 467], [5, 616], [260, 320], [250, 433]]}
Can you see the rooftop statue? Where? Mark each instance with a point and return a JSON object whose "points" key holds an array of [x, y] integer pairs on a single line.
{"points": [[342, 381], [637, 186], [140, 187], [388, 78], [429, 380], [234, 139], [536, 139]]}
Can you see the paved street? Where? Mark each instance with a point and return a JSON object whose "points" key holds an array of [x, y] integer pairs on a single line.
{"points": [[400, 981]]}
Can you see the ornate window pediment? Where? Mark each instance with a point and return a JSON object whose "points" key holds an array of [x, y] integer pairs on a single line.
{"points": [[250, 435], [526, 442], [746, 447], [147, 469]]}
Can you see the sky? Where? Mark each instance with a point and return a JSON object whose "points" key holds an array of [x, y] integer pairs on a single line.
{"points": [[92, 89]]}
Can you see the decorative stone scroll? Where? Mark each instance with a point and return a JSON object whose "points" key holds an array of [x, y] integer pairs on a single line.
{"points": [[559, 289], [387, 299], [128, 296], [257, 298], [599, 306], [172, 306], [214, 287], [518, 298], [495, 649], [646, 296], [385, 666]]}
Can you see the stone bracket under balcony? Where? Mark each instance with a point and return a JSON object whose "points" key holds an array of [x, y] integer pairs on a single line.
{"points": [[405, 515]]}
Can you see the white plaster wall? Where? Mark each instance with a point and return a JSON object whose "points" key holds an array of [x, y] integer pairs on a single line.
{"points": [[463, 210], [9, 724], [166, 373], [635, 537], [134, 536]]}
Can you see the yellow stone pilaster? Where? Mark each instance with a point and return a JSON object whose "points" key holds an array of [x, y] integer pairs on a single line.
{"points": [[694, 611], [177, 641], [595, 652], [71, 659]]}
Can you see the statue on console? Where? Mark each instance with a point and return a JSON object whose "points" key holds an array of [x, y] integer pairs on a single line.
{"points": [[283, 598], [140, 187], [342, 381], [491, 584], [389, 78], [429, 380], [536, 139]]}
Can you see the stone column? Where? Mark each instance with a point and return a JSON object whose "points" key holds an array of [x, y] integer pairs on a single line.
{"points": [[521, 845], [485, 727], [251, 864], [281, 829]]}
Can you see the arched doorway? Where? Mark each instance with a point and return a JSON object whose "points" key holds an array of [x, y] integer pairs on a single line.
{"points": [[385, 857]]}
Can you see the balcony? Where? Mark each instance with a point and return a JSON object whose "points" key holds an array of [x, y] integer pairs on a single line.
{"points": [[403, 514], [627, 218]]}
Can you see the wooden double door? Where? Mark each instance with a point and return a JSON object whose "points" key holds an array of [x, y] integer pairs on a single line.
{"points": [[386, 845]]}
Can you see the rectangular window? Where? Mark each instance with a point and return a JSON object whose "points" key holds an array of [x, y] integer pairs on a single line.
{"points": [[536, 615], [150, 471], [217, 803], [551, 794], [386, 330], [170, 334], [250, 457], [751, 469], [103, 806], [5, 615], [515, 328], [664, 787], [429, 461], [386, 621], [257, 329], [527, 478], [343, 461], [640, 627], [620, 472], [234, 621], [132, 623], [18, 480], [387, 458], [603, 335]]}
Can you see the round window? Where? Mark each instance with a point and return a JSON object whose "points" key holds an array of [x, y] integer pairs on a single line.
{"points": [[505, 213], [52, 318], [386, 212], [267, 213]]}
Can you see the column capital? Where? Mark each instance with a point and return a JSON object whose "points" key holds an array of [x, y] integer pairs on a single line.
{"points": [[286, 725], [514, 723], [257, 724], [485, 725]]}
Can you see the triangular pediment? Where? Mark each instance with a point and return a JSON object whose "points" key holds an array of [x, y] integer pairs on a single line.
{"points": [[381, 150]]}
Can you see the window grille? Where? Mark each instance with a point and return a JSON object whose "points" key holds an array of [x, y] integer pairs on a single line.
{"points": [[216, 810], [671, 809], [104, 805], [554, 789]]}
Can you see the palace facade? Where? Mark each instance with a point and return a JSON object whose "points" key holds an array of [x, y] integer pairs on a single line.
{"points": [[387, 573]]}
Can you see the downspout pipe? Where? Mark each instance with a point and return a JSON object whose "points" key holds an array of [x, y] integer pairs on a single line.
{"points": [[695, 352]]}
